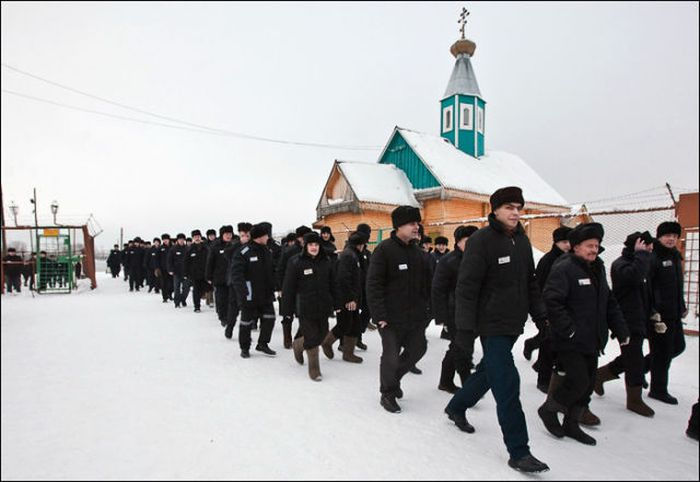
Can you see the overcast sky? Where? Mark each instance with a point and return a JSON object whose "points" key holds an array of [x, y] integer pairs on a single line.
{"points": [[599, 99]]}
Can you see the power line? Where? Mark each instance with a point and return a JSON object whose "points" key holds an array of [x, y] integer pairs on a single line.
{"points": [[198, 127]]}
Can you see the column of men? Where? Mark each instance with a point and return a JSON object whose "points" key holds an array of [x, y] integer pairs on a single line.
{"points": [[485, 289]]}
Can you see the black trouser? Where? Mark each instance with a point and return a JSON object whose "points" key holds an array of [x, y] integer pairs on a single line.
{"points": [[126, 273], [199, 287], [221, 298], [166, 286], [664, 347], [545, 359], [249, 315], [13, 281], [348, 324], [181, 289], [459, 356], [313, 330], [392, 366], [151, 278], [232, 306], [135, 280], [631, 362], [115, 271], [579, 378], [364, 314]]}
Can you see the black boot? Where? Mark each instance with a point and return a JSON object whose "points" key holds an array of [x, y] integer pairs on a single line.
{"points": [[548, 412], [388, 401], [460, 420], [415, 370], [573, 429], [265, 349], [663, 397], [360, 345], [447, 375], [228, 333], [528, 464]]}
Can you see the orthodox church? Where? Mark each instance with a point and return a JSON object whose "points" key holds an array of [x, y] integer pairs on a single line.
{"points": [[450, 176]]}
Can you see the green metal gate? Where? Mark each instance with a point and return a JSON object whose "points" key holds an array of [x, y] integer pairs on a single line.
{"points": [[54, 266]]}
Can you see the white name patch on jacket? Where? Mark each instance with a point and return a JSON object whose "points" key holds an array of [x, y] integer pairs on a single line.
{"points": [[308, 271], [667, 263], [403, 267], [504, 260], [584, 282], [253, 259], [221, 251], [193, 254]]}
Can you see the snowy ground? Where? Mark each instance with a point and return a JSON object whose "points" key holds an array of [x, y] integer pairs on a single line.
{"points": [[115, 385]]}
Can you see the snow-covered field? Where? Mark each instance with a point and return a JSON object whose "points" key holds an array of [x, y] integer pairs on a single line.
{"points": [[116, 385]]}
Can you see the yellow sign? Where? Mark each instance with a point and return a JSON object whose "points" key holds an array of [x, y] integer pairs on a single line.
{"points": [[50, 232]]}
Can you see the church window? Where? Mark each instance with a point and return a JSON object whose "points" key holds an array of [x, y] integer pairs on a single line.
{"points": [[447, 118], [466, 121], [480, 120]]}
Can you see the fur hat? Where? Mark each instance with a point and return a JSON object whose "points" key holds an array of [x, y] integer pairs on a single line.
{"points": [[426, 239], [181, 236], [226, 228], [211, 231], [257, 231], [138, 240], [267, 226], [504, 195], [195, 232], [668, 227], [464, 232], [154, 240], [561, 234], [404, 215], [244, 227], [632, 238], [442, 240], [586, 231], [301, 231], [312, 237], [165, 236], [364, 228]]}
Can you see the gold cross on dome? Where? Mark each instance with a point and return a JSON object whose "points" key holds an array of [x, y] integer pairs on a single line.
{"points": [[463, 20]]}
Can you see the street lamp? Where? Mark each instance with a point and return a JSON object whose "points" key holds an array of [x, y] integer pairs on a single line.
{"points": [[14, 209], [54, 210]]}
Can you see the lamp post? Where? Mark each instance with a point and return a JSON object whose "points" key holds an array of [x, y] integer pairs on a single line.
{"points": [[54, 210], [14, 209]]}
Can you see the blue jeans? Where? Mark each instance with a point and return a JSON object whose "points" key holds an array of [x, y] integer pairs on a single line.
{"points": [[497, 372]]}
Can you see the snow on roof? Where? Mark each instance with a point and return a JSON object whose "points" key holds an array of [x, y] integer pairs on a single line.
{"points": [[463, 79], [455, 169], [379, 183]]}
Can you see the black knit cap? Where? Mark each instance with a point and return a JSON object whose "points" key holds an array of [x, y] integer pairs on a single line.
{"points": [[668, 227], [586, 231], [301, 231], [195, 232], [364, 228], [357, 238], [244, 227], [442, 240], [226, 228], [181, 236], [561, 234], [312, 237], [464, 232], [632, 238], [504, 195], [404, 215], [211, 231], [165, 236], [258, 230]]}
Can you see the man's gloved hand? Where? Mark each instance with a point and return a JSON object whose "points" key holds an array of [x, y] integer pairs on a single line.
{"points": [[660, 327]]}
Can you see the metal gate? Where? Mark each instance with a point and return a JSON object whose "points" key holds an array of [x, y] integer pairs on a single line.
{"points": [[54, 266]]}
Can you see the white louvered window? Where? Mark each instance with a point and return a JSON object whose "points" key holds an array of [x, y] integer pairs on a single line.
{"points": [[447, 118], [480, 120], [466, 118]]}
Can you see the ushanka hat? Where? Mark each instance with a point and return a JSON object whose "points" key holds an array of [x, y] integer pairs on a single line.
{"points": [[195, 232], [586, 231], [511, 194], [244, 227], [226, 228], [301, 231], [632, 238], [668, 227], [357, 238], [312, 237], [464, 232], [441, 240], [181, 236], [561, 234], [404, 215], [211, 231], [258, 231]]}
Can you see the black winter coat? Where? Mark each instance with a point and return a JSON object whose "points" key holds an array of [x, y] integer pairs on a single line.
{"points": [[281, 267], [125, 257], [162, 258], [438, 255], [136, 257], [398, 284], [308, 288], [666, 276], [348, 277], [545, 265], [196, 261], [114, 258], [176, 260], [218, 260], [275, 250], [581, 307], [13, 269], [151, 260], [330, 249], [496, 287], [632, 289], [252, 275], [443, 289]]}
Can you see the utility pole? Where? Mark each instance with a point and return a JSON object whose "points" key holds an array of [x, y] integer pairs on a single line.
{"points": [[121, 237]]}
